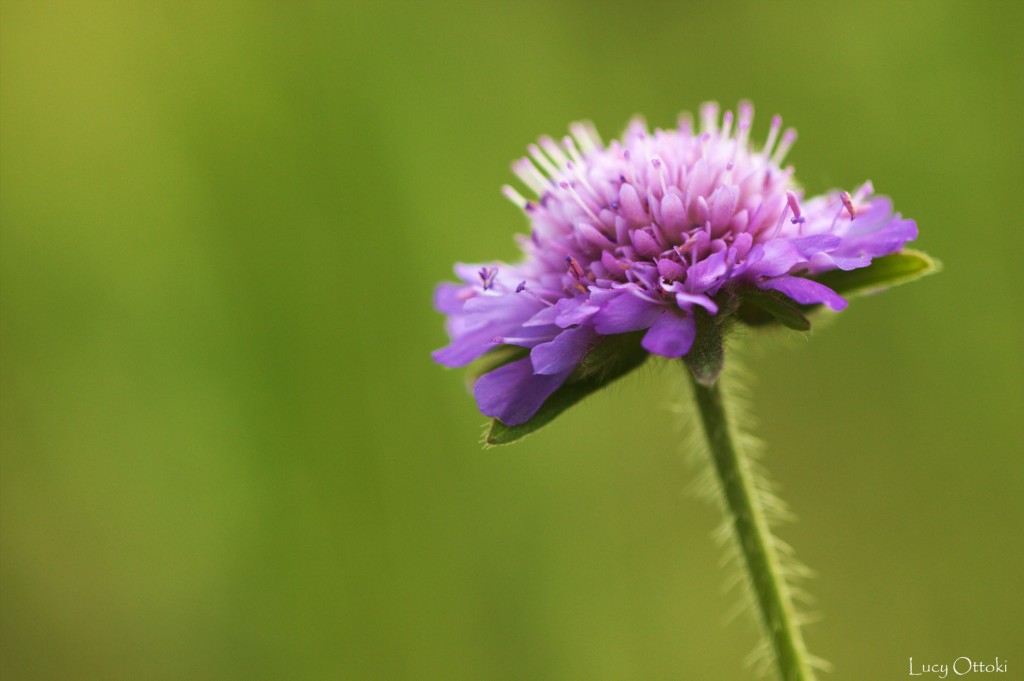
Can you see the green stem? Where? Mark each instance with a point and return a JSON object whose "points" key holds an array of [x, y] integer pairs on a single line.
{"points": [[755, 538]]}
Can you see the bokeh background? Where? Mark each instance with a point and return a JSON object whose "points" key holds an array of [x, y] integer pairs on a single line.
{"points": [[226, 453]]}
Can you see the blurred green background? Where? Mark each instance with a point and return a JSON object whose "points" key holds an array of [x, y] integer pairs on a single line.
{"points": [[226, 453]]}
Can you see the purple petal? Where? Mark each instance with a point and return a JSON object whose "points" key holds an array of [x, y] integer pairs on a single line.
{"points": [[611, 264], [673, 213], [626, 312], [543, 318], [805, 291], [463, 350], [671, 336], [888, 239], [632, 209], [686, 300], [513, 393], [816, 243], [502, 307], [822, 262], [590, 234], [705, 273], [449, 298], [570, 311], [527, 336], [670, 269], [879, 211], [645, 244], [777, 257], [467, 272], [743, 244], [723, 205], [564, 352]]}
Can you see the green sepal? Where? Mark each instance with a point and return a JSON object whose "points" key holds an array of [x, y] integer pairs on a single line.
{"points": [[611, 359], [883, 272], [758, 308], [706, 357]]}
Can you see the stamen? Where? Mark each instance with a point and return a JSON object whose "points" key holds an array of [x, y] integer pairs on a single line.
{"points": [[487, 275], [753, 222], [628, 158], [656, 162], [583, 179], [556, 154], [795, 207], [727, 124], [687, 245], [732, 159], [515, 197], [709, 117], [782, 218], [787, 141], [636, 164], [746, 118], [528, 173], [521, 288], [570, 146], [586, 134], [848, 204], [845, 204], [704, 139], [686, 123], [573, 266], [579, 199], [515, 340], [542, 160], [773, 134], [836, 219]]}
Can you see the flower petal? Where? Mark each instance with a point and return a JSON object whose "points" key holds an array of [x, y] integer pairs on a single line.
{"points": [[823, 262], [564, 352], [805, 291], [624, 313], [449, 298], [706, 273], [777, 257], [670, 269], [569, 311], [464, 349], [513, 393], [687, 300], [671, 335], [807, 246], [545, 317], [890, 238]]}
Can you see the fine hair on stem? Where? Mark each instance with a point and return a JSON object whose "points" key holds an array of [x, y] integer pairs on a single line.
{"points": [[761, 565]]}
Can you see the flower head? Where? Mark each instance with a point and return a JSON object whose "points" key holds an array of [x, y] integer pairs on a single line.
{"points": [[651, 233]]}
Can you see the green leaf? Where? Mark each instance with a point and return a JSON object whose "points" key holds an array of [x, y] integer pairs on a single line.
{"points": [[882, 273], [707, 356], [758, 308], [611, 359]]}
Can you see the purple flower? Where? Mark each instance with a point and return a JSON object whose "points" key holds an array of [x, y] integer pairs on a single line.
{"points": [[648, 234]]}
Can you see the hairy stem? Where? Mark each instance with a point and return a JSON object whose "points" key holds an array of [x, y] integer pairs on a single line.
{"points": [[756, 542]]}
